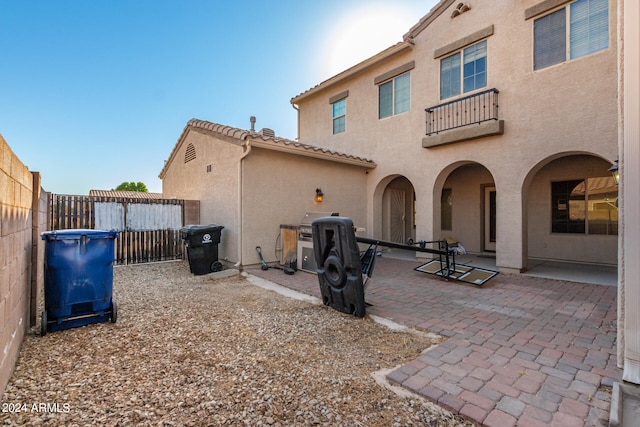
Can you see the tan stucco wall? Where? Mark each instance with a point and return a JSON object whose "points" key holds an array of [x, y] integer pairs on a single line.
{"points": [[560, 110], [279, 189], [217, 191]]}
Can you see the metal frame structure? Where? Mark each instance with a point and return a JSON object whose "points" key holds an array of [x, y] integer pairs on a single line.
{"points": [[447, 268]]}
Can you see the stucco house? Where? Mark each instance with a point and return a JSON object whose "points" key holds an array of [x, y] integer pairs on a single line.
{"points": [[499, 118], [252, 183], [491, 122]]}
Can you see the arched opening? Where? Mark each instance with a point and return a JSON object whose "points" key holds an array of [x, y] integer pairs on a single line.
{"points": [[398, 210], [464, 207], [572, 210]]}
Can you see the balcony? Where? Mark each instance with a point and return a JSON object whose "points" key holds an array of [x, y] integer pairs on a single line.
{"points": [[474, 116]]}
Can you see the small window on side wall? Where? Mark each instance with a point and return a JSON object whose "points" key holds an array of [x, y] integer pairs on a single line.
{"points": [[339, 113]]}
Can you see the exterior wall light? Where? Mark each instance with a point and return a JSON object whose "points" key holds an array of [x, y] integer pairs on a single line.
{"points": [[613, 170], [319, 195]]}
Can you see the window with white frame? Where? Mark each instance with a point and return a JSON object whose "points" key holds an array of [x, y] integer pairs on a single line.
{"points": [[579, 29], [466, 69], [394, 96], [339, 113]]}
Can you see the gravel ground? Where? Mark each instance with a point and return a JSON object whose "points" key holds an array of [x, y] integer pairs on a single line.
{"points": [[190, 351]]}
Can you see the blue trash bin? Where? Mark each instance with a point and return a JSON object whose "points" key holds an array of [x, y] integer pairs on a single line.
{"points": [[78, 278]]}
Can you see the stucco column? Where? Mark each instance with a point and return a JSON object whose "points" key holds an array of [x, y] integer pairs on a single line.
{"points": [[425, 202], [630, 167], [511, 233]]}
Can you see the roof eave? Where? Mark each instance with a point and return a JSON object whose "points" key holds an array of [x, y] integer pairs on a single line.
{"points": [[299, 149], [426, 20], [242, 137], [358, 68]]}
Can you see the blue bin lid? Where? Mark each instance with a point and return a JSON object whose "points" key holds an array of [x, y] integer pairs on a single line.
{"points": [[77, 233]]}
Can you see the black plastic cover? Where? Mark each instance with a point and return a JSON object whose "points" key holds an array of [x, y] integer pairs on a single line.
{"points": [[338, 259]]}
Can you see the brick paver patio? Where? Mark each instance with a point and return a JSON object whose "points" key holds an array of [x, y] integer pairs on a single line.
{"points": [[520, 350]]}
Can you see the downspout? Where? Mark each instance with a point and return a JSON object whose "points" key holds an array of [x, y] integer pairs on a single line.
{"points": [[295, 107], [247, 151]]}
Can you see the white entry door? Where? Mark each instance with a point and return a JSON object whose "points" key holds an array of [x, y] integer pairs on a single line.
{"points": [[490, 219]]}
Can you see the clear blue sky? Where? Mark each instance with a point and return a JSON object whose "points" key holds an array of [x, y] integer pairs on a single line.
{"points": [[97, 92]]}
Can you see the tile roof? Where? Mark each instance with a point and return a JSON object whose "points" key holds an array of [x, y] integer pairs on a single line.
{"points": [[264, 140], [228, 131], [125, 194], [364, 65], [283, 144]]}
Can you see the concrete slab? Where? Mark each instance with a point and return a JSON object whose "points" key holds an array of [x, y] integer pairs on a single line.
{"points": [[574, 272], [570, 271], [625, 405]]}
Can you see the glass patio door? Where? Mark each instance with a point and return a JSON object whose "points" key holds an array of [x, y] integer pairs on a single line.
{"points": [[489, 219]]}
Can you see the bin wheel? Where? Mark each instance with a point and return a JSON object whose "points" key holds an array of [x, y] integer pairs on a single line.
{"points": [[114, 312], [216, 266], [334, 271], [43, 324]]}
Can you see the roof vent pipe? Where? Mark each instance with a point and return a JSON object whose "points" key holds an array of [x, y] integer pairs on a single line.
{"points": [[252, 119]]}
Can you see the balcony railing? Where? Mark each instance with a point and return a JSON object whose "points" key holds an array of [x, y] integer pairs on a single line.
{"points": [[473, 109]]}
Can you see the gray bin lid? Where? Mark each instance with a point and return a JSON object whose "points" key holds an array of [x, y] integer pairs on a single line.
{"points": [[191, 229]]}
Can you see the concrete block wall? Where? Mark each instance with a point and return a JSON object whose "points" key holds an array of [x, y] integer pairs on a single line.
{"points": [[21, 262]]}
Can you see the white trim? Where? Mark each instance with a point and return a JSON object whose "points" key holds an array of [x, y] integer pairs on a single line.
{"points": [[630, 168]]}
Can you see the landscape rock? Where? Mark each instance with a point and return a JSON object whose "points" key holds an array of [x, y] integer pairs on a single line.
{"points": [[204, 351]]}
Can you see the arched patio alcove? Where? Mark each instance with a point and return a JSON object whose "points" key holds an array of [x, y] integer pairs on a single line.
{"points": [[571, 210], [394, 209], [464, 206]]}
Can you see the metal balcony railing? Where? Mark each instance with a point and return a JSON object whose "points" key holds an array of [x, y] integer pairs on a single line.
{"points": [[473, 109]]}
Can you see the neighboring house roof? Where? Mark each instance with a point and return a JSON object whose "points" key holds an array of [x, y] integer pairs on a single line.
{"points": [[407, 43], [125, 194], [264, 140]]}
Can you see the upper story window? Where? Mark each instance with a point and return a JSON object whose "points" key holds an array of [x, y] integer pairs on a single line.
{"points": [[466, 68], [588, 32], [394, 96], [339, 113]]}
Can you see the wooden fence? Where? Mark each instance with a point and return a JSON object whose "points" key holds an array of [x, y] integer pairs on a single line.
{"points": [[149, 229]]}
